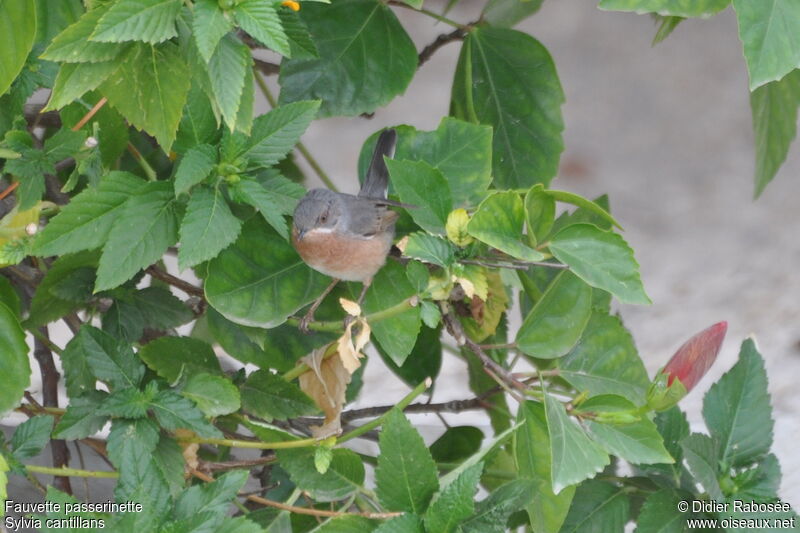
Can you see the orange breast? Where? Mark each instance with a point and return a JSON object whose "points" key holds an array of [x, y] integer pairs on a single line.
{"points": [[341, 257]]}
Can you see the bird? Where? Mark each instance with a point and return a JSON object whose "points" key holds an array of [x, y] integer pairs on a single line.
{"points": [[345, 236]]}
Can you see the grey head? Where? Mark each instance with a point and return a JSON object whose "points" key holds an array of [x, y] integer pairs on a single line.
{"points": [[319, 209]]}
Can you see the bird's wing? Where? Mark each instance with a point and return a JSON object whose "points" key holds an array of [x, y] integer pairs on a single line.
{"points": [[367, 217]]}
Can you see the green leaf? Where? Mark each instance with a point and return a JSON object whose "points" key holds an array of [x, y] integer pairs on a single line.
{"points": [[9, 296], [760, 483], [47, 304], [300, 43], [194, 167], [492, 514], [344, 476], [168, 458], [397, 336], [109, 359], [586, 205], [598, 503], [78, 375], [406, 474], [265, 201], [676, 8], [150, 88], [430, 249], [673, 427], [207, 228], [123, 321], [151, 21], [160, 309], [602, 259], [701, 455], [534, 461], [31, 437], [774, 107], [127, 403], [213, 498], [85, 222], [507, 13], [18, 27], [198, 124], [174, 412], [227, 72], [605, 361], [454, 503], [406, 523], [252, 288], [81, 419], [575, 457], [261, 21], [498, 222], [52, 18], [636, 442], [737, 409], [346, 524], [343, 32], [143, 231], [73, 45], [275, 133], [3, 477], [660, 514], [419, 184], [767, 31], [540, 209], [487, 451], [30, 170], [460, 150], [170, 357], [424, 361], [558, 319], [209, 25], [76, 79], [128, 435], [456, 444], [506, 79], [270, 396], [214, 395]]}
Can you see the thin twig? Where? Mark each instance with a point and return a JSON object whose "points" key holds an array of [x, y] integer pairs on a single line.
{"points": [[9, 190], [266, 68], [137, 155], [207, 466], [454, 406], [175, 281], [427, 52], [88, 116]]}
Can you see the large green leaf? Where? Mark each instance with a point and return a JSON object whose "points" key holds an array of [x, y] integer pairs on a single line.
{"points": [[261, 21], [534, 461], [636, 442], [598, 504], [419, 184], [506, 13], [150, 88], [198, 124], [209, 24], [151, 21], [275, 133], [265, 201], [208, 227], [344, 476], [109, 359], [774, 108], [498, 222], [660, 514], [270, 396], [460, 150], [140, 235], [558, 319], [47, 304], [31, 437], [72, 45], [253, 288], [507, 79], [85, 222], [406, 474], [605, 361], [423, 362], [668, 8], [13, 359], [602, 259], [455, 502], [365, 58], [76, 79], [194, 167], [214, 395], [673, 427], [18, 28], [398, 335], [227, 73], [492, 514], [171, 357], [82, 418], [173, 412], [700, 453], [575, 457], [737, 410], [768, 30]]}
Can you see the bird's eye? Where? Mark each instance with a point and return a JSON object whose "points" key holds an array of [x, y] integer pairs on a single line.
{"points": [[323, 218]]}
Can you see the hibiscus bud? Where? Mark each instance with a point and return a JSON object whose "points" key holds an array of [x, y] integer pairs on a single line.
{"points": [[689, 364]]}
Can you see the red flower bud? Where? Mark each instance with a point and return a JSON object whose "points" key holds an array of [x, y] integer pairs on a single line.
{"points": [[692, 360]]}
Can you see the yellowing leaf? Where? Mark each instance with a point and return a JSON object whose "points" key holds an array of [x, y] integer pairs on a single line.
{"points": [[350, 351], [326, 385], [486, 314], [350, 307], [188, 449], [456, 227]]}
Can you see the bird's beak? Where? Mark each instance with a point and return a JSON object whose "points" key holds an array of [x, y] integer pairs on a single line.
{"points": [[299, 234]]}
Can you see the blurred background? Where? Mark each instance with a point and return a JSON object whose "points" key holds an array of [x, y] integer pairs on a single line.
{"points": [[666, 132]]}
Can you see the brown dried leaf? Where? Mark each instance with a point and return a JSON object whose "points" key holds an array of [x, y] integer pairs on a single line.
{"points": [[326, 385]]}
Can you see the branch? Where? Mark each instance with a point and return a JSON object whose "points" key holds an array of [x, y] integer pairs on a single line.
{"points": [[265, 67], [454, 406], [427, 52], [175, 281], [208, 467]]}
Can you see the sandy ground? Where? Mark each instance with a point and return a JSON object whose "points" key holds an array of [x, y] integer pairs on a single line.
{"points": [[666, 132]]}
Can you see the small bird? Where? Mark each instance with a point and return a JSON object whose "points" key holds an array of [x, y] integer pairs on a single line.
{"points": [[348, 237]]}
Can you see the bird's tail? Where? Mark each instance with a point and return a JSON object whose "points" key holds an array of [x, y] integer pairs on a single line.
{"points": [[376, 184]]}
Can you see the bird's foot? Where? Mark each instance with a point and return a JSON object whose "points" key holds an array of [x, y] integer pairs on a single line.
{"points": [[307, 319]]}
